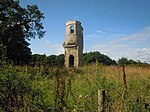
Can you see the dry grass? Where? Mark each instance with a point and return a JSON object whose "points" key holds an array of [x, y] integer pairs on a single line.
{"points": [[77, 90], [110, 78]]}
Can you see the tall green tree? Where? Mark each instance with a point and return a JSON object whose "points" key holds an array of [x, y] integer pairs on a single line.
{"points": [[18, 25]]}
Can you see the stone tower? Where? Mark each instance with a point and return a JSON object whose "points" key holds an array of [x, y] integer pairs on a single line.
{"points": [[73, 44]]}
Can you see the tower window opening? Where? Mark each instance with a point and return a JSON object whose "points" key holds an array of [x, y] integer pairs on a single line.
{"points": [[72, 29]]}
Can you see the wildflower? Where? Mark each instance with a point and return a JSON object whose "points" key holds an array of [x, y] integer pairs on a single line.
{"points": [[80, 96]]}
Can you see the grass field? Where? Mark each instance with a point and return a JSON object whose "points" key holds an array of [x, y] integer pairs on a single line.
{"points": [[75, 90]]}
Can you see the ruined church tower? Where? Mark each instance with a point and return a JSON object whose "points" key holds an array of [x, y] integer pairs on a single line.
{"points": [[73, 45]]}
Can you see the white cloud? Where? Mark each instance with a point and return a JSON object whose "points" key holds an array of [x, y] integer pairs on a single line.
{"points": [[142, 54], [92, 35], [135, 46], [138, 36], [55, 48], [119, 35], [103, 48], [101, 33]]}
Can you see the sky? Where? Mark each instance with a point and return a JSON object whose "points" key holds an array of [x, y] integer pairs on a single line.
{"points": [[116, 28]]}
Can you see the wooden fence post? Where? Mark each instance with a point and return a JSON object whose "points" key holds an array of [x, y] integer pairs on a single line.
{"points": [[101, 100], [124, 86]]}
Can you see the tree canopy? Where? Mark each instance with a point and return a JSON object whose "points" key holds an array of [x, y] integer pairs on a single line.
{"points": [[18, 25], [51, 60], [58, 60], [92, 57], [125, 61]]}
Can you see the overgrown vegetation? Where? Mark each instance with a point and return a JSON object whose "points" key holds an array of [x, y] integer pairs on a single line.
{"points": [[26, 88]]}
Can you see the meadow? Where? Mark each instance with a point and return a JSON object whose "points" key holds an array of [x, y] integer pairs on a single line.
{"points": [[56, 89]]}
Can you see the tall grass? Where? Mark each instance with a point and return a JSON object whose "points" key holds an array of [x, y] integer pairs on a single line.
{"points": [[75, 90]]}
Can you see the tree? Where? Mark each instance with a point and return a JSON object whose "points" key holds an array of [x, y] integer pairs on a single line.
{"points": [[38, 59], [51, 60], [125, 61], [92, 57], [130, 61], [18, 25], [60, 59]]}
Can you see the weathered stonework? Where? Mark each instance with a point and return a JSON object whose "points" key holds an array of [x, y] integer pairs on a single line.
{"points": [[73, 44]]}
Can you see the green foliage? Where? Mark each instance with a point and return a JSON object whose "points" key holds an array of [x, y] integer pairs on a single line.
{"points": [[92, 57], [3, 51], [43, 88], [18, 24], [38, 59], [88, 58], [125, 61], [14, 88], [17, 92], [51, 60], [60, 60], [54, 60]]}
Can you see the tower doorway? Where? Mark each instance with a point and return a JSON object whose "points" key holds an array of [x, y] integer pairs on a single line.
{"points": [[71, 61]]}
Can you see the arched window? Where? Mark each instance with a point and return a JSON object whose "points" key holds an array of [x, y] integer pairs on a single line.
{"points": [[72, 29]]}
